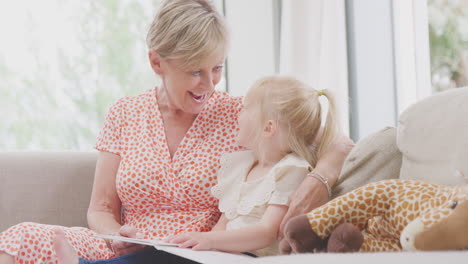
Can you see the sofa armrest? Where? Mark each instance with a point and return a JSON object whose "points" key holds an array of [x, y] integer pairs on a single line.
{"points": [[432, 135], [45, 187], [374, 158]]}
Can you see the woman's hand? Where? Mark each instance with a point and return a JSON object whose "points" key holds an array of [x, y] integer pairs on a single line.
{"points": [[312, 193], [122, 248], [195, 240]]}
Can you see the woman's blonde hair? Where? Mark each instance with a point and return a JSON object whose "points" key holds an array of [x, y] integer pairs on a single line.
{"points": [[191, 30], [299, 112]]}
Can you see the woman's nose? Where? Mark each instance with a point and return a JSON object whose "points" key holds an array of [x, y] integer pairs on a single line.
{"points": [[208, 81]]}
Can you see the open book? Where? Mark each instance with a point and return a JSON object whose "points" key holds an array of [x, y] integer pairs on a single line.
{"points": [[147, 242], [207, 257]]}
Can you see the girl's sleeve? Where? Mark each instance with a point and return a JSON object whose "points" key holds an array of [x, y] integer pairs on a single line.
{"points": [[225, 179], [288, 180], [228, 187], [110, 137]]}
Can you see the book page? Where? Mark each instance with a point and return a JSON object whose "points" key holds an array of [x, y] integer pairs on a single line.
{"points": [[207, 257], [136, 240], [199, 256]]}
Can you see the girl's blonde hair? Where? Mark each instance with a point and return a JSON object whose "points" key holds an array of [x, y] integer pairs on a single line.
{"points": [[191, 30], [298, 110]]}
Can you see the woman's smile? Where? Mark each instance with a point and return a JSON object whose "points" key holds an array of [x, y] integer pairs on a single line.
{"points": [[198, 98]]}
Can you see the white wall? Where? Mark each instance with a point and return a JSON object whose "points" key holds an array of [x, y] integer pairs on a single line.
{"points": [[252, 53], [302, 38]]}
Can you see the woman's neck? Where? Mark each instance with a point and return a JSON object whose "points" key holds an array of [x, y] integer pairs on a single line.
{"points": [[167, 108]]}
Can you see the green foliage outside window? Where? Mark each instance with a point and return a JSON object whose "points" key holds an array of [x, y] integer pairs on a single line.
{"points": [[62, 65], [76, 59], [448, 33]]}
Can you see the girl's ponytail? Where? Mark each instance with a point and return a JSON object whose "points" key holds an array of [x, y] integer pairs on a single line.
{"points": [[331, 128]]}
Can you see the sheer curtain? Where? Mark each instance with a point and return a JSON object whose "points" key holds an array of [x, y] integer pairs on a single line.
{"points": [[313, 47]]}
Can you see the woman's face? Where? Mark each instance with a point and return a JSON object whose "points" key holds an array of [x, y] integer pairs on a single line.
{"points": [[189, 89]]}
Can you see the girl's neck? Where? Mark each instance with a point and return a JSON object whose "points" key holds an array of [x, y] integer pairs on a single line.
{"points": [[268, 157]]}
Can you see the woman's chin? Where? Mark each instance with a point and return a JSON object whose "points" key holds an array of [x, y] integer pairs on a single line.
{"points": [[193, 110], [193, 107], [240, 143]]}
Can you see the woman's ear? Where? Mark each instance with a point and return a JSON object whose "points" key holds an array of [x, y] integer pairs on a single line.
{"points": [[155, 61]]}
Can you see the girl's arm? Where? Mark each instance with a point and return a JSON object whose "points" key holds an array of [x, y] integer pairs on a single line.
{"points": [[221, 224], [245, 239]]}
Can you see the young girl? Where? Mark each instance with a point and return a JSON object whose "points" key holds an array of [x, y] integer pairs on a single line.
{"points": [[280, 120]]}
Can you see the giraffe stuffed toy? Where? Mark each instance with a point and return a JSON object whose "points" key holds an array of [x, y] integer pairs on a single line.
{"points": [[382, 216]]}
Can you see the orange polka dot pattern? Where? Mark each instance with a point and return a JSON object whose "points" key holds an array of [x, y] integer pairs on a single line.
{"points": [[383, 209], [160, 195]]}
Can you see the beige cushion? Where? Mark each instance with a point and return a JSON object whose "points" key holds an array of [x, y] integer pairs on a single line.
{"points": [[45, 187], [433, 137], [374, 158]]}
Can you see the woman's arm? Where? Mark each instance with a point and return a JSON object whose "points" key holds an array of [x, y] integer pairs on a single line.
{"points": [[312, 193], [240, 240], [104, 207]]}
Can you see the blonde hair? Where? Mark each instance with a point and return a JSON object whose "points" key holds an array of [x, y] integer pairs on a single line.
{"points": [[298, 110], [191, 30]]}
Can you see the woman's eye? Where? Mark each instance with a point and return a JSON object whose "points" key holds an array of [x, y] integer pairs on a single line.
{"points": [[218, 68], [196, 73], [454, 204]]}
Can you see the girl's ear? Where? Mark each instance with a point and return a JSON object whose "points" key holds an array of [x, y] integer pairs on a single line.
{"points": [[155, 61], [271, 128]]}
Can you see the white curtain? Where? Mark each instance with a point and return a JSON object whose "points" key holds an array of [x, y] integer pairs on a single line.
{"points": [[313, 47]]}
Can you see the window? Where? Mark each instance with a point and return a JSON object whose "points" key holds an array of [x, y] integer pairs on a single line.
{"points": [[63, 63], [430, 46], [448, 32]]}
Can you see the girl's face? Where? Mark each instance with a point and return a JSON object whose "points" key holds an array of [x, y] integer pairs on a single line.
{"points": [[249, 124], [189, 89]]}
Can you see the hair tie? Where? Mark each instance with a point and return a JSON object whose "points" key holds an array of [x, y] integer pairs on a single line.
{"points": [[320, 92]]}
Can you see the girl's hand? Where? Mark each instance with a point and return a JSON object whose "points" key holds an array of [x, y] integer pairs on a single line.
{"points": [[122, 248], [195, 240]]}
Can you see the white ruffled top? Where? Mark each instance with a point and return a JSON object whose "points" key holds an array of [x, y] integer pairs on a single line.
{"points": [[244, 202]]}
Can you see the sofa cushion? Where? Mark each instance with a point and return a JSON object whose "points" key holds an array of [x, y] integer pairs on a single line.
{"points": [[433, 138], [374, 158], [45, 187]]}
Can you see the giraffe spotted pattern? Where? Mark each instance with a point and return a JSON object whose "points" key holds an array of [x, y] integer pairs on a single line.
{"points": [[383, 209]]}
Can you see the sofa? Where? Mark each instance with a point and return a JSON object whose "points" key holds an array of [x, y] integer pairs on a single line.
{"points": [[430, 143], [45, 187]]}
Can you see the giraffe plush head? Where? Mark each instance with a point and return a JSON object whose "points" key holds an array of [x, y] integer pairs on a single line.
{"points": [[389, 215], [440, 228]]}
